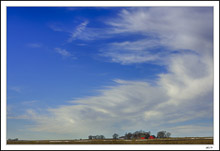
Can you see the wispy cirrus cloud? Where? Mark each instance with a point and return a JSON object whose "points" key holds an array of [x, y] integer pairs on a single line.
{"points": [[63, 52], [31, 102], [78, 31], [81, 31], [126, 58], [85, 33], [56, 27], [176, 29], [131, 52], [192, 130], [137, 45], [15, 88], [174, 99]]}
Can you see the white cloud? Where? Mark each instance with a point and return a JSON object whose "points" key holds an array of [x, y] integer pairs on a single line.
{"points": [[179, 96], [78, 32], [130, 57], [129, 52], [138, 45], [15, 88], [175, 28], [56, 27], [191, 72], [81, 31], [63, 52], [191, 130]]}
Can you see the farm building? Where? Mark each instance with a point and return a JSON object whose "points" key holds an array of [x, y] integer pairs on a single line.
{"points": [[122, 137], [151, 137], [143, 137]]}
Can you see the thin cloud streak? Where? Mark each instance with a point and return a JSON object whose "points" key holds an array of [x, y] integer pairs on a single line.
{"points": [[81, 32], [130, 52], [78, 31], [15, 88], [63, 52]]}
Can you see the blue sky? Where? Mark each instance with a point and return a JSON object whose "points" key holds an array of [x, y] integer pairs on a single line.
{"points": [[74, 72]]}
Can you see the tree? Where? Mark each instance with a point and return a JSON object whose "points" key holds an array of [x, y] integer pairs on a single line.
{"points": [[168, 134], [128, 135], [161, 134], [147, 135], [115, 136], [102, 137], [138, 134], [135, 135], [90, 136], [141, 133]]}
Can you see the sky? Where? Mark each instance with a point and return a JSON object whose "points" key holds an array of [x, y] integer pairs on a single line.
{"points": [[79, 71]]}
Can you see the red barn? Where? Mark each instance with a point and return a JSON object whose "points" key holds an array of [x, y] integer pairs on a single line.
{"points": [[151, 137]]}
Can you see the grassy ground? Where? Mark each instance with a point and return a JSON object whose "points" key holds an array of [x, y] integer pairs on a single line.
{"points": [[189, 140]]}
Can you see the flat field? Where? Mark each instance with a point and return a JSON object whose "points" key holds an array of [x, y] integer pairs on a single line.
{"points": [[182, 140]]}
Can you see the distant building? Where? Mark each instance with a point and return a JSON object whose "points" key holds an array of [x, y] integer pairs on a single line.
{"points": [[142, 137], [151, 137], [121, 137]]}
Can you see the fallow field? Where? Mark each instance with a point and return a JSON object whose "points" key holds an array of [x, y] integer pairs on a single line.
{"points": [[182, 140]]}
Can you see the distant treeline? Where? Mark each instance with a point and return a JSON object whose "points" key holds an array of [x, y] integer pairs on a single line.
{"points": [[135, 135]]}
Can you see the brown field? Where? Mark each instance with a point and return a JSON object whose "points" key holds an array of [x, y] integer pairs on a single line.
{"points": [[183, 140]]}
